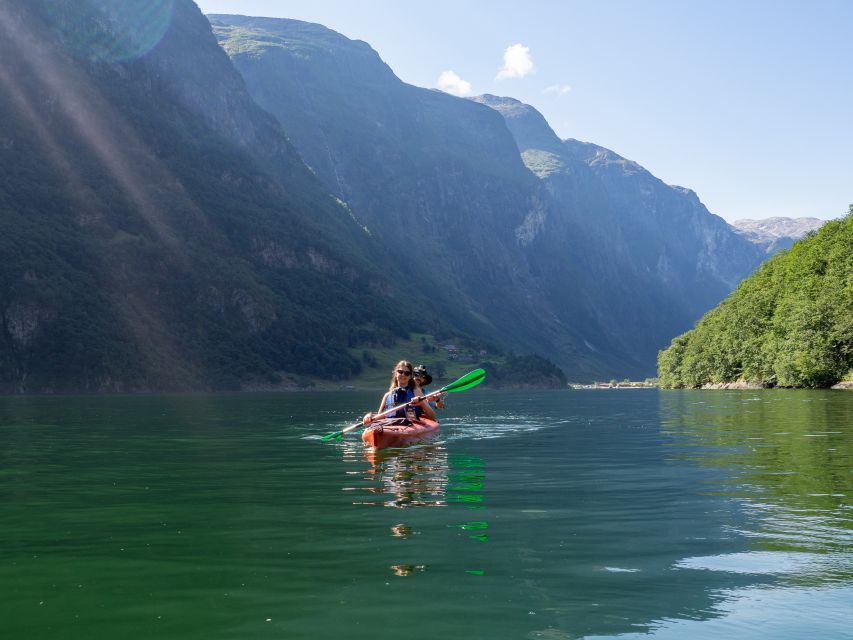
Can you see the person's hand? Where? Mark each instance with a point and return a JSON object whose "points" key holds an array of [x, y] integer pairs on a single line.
{"points": [[417, 400], [368, 418]]}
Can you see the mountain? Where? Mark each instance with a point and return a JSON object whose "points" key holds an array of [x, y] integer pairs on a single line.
{"points": [[173, 217], [159, 231], [557, 247], [773, 234], [660, 257], [437, 179], [790, 324]]}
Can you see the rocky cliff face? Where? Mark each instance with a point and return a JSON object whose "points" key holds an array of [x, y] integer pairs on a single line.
{"points": [[550, 245], [436, 179], [773, 234], [157, 229], [662, 258], [160, 230]]}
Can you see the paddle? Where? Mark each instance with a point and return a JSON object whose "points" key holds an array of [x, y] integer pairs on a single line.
{"points": [[465, 382]]}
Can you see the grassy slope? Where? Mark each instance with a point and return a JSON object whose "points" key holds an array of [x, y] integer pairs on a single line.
{"points": [[377, 377]]}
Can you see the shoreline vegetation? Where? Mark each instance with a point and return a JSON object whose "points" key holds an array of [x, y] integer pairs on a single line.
{"points": [[788, 325]]}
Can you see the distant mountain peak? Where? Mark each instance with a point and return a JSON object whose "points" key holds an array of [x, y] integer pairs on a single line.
{"points": [[527, 125], [777, 232]]}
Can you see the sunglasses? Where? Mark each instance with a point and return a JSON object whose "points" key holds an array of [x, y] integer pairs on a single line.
{"points": [[403, 372]]}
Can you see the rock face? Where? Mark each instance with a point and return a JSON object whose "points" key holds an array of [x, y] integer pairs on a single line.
{"points": [[160, 230], [558, 247], [436, 179], [773, 234], [661, 258], [157, 229]]}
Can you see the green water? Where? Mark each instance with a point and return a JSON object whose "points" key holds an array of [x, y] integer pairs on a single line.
{"points": [[632, 513]]}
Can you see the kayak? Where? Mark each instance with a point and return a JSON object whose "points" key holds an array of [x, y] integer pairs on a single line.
{"points": [[383, 436]]}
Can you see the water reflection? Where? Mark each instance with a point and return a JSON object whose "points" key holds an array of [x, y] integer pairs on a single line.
{"points": [[700, 519], [698, 515], [787, 458], [401, 478], [423, 476]]}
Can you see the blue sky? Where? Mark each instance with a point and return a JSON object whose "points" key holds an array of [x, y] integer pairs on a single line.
{"points": [[749, 103]]}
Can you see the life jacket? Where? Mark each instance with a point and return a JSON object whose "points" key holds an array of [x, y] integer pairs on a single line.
{"points": [[399, 396]]}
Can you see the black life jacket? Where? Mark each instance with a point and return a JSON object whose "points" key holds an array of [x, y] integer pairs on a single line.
{"points": [[399, 396]]}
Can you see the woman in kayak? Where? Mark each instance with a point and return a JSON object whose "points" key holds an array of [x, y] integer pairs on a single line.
{"points": [[403, 389]]}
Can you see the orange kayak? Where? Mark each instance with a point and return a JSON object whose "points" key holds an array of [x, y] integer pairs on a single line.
{"points": [[384, 436]]}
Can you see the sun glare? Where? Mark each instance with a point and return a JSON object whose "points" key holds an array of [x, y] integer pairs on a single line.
{"points": [[135, 27]]}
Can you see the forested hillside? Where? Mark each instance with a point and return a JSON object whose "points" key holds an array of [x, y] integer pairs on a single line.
{"points": [[157, 229], [789, 325]]}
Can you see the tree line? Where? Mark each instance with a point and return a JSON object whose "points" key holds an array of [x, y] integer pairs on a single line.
{"points": [[788, 325]]}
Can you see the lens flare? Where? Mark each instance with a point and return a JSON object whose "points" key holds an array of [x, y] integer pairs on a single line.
{"points": [[111, 30]]}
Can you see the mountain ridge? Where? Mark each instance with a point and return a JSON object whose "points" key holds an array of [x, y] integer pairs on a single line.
{"points": [[654, 231], [575, 199], [161, 232], [773, 234], [177, 218]]}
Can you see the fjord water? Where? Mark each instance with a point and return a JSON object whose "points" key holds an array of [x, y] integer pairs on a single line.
{"points": [[574, 514]]}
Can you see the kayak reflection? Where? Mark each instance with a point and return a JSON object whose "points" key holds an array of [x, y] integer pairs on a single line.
{"points": [[412, 477]]}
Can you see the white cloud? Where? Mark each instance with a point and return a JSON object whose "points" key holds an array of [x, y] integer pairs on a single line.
{"points": [[449, 82], [557, 89], [517, 62]]}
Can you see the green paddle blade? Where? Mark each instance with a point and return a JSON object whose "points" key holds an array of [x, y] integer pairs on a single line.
{"points": [[332, 436], [467, 381]]}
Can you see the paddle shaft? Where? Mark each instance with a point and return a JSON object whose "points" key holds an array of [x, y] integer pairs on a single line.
{"points": [[387, 412]]}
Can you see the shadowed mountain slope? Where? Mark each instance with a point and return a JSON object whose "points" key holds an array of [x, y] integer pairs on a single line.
{"points": [[436, 178], [158, 229], [557, 247], [661, 257]]}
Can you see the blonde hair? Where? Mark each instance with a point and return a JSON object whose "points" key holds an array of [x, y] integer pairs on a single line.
{"points": [[394, 383]]}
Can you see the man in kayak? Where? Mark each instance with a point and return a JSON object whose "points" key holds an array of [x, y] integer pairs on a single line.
{"points": [[423, 380], [403, 389]]}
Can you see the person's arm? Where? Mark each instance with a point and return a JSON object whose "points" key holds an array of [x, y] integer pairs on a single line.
{"points": [[425, 407], [382, 403], [428, 410], [368, 417]]}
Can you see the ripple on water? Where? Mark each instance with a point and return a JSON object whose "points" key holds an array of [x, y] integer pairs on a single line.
{"points": [[498, 426]]}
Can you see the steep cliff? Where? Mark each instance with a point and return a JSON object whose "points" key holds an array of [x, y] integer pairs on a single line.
{"points": [[553, 246], [660, 257], [436, 178], [158, 229]]}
